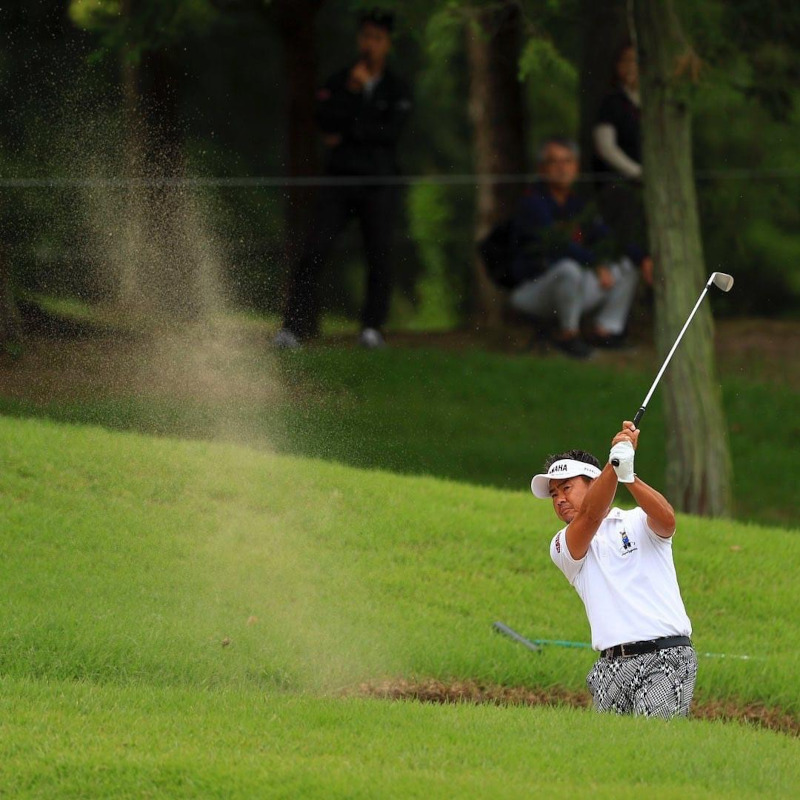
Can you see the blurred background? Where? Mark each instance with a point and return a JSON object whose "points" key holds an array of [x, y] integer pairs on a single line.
{"points": [[228, 85]]}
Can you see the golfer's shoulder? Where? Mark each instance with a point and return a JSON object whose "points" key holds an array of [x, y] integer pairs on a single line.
{"points": [[558, 545], [632, 516], [614, 514], [625, 517], [562, 558], [635, 519]]}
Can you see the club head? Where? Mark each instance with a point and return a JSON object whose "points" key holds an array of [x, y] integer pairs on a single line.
{"points": [[722, 281]]}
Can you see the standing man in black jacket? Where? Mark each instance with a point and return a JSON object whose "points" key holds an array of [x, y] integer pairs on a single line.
{"points": [[360, 111]]}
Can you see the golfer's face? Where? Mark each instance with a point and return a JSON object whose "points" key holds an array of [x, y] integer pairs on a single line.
{"points": [[567, 496]]}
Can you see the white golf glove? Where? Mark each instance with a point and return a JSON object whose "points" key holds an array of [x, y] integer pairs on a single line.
{"points": [[621, 458]]}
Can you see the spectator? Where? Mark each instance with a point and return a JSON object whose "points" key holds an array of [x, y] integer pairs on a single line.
{"points": [[618, 155], [564, 262], [360, 111], [617, 132]]}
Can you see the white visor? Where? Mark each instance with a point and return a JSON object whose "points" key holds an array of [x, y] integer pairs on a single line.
{"points": [[565, 468]]}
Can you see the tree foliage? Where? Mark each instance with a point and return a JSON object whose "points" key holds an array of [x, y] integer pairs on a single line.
{"points": [[233, 99], [755, 46], [136, 26]]}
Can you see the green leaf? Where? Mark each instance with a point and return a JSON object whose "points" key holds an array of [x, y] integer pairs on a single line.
{"points": [[540, 59]]}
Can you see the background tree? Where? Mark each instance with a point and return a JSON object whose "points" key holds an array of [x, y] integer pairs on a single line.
{"points": [[492, 35], [604, 30], [163, 268], [295, 19], [745, 123], [10, 327], [494, 46], [230, 107], [699, 464], [39, 52]]}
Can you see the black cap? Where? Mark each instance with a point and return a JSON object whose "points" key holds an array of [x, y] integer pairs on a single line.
{"points": [[377, 16]]}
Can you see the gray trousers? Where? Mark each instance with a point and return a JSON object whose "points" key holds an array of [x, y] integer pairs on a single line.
{"points": [[568, 291]]}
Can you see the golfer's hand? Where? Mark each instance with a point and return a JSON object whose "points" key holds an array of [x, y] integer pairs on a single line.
{"points": [[628, 434], [623, 447], [605, 276]]}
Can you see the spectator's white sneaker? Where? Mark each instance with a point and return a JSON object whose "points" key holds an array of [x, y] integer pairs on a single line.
{"points": [[372, 339], [286, 340]]}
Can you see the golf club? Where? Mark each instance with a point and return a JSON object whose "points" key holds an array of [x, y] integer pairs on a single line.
{"points": [[512, 634], [722, 281], [536, 644]]}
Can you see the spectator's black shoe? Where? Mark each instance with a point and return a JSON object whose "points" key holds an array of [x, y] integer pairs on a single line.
{"points": [[612, 341], [574, 347]]}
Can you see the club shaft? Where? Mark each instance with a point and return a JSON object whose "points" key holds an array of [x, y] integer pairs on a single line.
{"points": [[563, 643], [664, 366], [512, 634], [640, 413]]}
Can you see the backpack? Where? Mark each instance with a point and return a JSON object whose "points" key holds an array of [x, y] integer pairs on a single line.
{"points": [[497, 253]]}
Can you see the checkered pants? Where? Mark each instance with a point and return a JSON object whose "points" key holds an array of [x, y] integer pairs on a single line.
{"points": [[657, 684]]}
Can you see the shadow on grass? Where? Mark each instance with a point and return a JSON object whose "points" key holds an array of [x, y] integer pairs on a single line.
{"points": [[468, 415]]}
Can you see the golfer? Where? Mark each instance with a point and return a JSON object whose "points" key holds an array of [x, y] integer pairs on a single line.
{"points": [[620, 563]]}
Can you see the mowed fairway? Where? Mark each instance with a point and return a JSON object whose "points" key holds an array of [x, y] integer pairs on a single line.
{"points": [[79, 740], [194, 619]]}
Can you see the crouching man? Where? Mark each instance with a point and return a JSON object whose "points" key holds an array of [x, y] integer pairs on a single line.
{"points": [[620, 563]]}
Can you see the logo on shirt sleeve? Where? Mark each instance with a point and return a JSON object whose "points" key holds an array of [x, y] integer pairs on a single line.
{"points": [[558, 543]]}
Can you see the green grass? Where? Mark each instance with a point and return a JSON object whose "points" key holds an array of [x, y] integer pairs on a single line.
{"points": [[470, 416], [490, 419], [180, 619], [186, 616], [79, 740]]}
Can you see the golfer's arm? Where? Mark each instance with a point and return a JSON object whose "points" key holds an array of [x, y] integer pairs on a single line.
{"points": [[660, 514], [594, 509]]}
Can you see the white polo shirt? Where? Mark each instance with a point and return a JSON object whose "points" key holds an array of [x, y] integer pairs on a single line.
{"points": [[626, 580]]}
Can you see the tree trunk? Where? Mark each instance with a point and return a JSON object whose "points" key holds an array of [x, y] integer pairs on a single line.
{"points": [[128, 263], [296, 23], [39, 42], [494, 41], [605, 31], [160, 77], [10, 327], [698, 455]]}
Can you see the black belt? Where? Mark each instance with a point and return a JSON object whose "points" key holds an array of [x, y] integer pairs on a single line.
{"points": [[641, 648]]}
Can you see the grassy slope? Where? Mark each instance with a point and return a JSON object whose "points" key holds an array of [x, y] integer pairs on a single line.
{"points": [[470, 416], [127, 561], [491, 419], [127, 558], [80, 740]]}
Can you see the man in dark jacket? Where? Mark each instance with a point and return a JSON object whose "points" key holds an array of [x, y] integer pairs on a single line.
{"points": [[361, 111], [566, 261]]}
